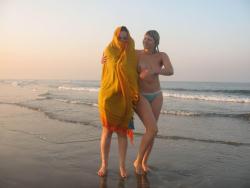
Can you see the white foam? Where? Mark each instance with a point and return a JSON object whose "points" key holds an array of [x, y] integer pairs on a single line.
{"points": [[89, 89], [15, 83], [208, 98], [179, 113], [77, 102], [62, 100]]}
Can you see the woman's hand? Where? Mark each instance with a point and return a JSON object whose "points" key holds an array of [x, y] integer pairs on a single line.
{"points": [[104, 59], [144, 73]]}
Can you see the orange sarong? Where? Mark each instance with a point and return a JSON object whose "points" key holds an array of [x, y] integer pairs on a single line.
{"points": [[119, 86]]}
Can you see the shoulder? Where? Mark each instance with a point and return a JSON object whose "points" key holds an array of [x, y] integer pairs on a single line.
{"points": [[110, 50], [163, 54]]}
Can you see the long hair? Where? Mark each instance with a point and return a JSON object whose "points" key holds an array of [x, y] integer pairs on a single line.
{"points": [[155, 35]]}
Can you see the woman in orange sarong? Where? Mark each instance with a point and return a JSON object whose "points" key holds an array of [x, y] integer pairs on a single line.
{"points": [[118, 96]]}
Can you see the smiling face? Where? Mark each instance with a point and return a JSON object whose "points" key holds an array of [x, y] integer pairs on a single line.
{"points": [[148, 42]]}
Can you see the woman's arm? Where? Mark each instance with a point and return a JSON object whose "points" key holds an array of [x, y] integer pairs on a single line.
{"points": [[167, 69]]}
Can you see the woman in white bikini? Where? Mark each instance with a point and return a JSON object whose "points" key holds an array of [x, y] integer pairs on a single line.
{"points": [[152, 63]]}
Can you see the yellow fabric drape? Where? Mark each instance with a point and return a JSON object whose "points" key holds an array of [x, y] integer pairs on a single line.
{"points": [[119, 85]]}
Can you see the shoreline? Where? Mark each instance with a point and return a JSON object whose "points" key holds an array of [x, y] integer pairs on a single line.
{"points": [[137, 121]]}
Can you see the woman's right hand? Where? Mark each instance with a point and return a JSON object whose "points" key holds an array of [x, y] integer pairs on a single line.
{"points": [[104, 59]]}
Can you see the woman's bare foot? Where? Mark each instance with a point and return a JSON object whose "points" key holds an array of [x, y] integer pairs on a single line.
{"points": [[138, 168], [102, 171], [145, 167], [123, 172]]}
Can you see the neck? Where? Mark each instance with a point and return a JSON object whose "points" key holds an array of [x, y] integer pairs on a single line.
{"points": [[149, 51]]}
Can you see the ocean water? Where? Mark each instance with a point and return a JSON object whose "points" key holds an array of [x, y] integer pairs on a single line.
{"points": [[191, 110]]}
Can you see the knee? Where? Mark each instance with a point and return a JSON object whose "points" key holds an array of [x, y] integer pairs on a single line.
{"points": [[107, 133], [153, 130]]}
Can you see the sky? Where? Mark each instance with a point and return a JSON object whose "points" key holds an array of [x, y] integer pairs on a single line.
{"points": [[206, 40]]}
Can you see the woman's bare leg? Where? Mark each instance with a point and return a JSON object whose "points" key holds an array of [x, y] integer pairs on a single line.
{"points": [[144, 111], [122, 144], [156, 108], [105, 147]]}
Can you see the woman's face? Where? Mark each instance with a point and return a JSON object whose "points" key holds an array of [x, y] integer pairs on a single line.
{"points": [[148, 42], [123, 36]]}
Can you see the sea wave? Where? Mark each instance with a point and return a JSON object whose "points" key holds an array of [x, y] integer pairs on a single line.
{"points": [[204, 97], [191, 139], [180, 113], [19, 83], [205, 114], [232, 99], [51, 96], [77, 102], [232, 143], [246, 116], [89, 89], [52, 115], [226, 91]]}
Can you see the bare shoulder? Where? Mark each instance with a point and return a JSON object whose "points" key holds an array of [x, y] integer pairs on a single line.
{"points": [[163, 55]]}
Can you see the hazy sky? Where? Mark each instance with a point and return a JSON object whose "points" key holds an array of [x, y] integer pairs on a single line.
{"points": [[206, 40]]}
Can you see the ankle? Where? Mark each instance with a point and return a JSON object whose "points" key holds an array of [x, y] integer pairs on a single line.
{"points": [[138, 161], [122, 166], [104, 165]]}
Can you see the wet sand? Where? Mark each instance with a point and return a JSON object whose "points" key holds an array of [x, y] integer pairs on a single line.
{"points": [[37, 151]]}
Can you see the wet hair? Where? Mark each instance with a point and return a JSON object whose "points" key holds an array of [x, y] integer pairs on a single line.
{"points": [[155, 35], [123, 28]]}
